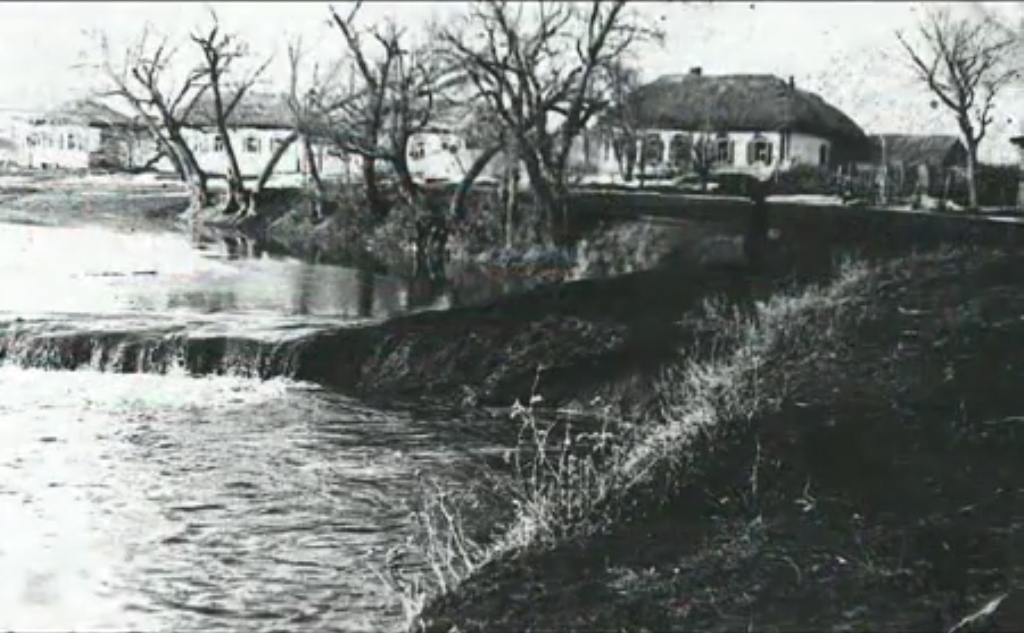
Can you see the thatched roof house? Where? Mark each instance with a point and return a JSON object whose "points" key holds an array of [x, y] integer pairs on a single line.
{"points": [[85, 113], [748, 105], [935, 150], [754, 103]]}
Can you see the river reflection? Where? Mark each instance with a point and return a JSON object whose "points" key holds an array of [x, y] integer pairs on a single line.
{"points": [[95, 270]]}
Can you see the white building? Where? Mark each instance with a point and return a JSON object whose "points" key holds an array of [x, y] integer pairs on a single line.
{"points": [[80, 135], [261, 122], [739, 121], [256, 127]]}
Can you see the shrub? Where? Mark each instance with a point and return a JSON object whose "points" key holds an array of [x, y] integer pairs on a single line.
{"points": [[806, 179]]}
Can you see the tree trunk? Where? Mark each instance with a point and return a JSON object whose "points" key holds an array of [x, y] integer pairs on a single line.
{"points": [[410, 190], [372, 191], [511, 199], [275, 158], [544, 202], [236, 186], [972, 176], [314, 178], [199, 193], [457, 208], [756, 240], [199, 197]]}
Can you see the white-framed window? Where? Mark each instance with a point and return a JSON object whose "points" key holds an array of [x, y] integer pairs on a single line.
{"points": [[449, 144], [680, 150], [760, 150], [417, 149], [725, 150], [652, 148], [72, 141], [252, 145], [218, 144]]}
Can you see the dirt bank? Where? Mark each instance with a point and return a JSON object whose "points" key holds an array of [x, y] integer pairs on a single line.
{"points": [[871, 484]]}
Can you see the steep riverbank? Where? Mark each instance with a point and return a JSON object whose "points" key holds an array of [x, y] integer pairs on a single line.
{"points": [[849, 462]]}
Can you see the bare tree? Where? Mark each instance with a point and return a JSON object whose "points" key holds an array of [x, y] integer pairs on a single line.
{"points": [[388, 99], [162, 94], [705, 155], [220, 52], [621, 123], [301, 102], [535, 72], [961, 61]]}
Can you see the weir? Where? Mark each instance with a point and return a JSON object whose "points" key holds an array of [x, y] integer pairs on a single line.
{"points": [[168, 349]]}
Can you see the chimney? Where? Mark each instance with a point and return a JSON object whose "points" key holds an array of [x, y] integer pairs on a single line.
{"points": [[696, 71], [792, 84]]}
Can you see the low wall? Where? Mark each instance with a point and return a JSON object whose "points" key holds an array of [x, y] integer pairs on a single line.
{"points": [[836, 224]]}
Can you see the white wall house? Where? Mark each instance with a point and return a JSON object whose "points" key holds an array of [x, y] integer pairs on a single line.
{"points": [[254, 146], [256, 127], [261, 122], [80, 135], [742, 122], [439, 154]]}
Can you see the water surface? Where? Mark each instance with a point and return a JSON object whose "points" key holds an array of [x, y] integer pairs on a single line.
{"points": [[171, 502]]}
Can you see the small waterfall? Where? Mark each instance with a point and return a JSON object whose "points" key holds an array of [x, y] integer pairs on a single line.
{"points": [[172, 349]]}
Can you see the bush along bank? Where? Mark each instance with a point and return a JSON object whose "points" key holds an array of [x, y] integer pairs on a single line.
{"points": [[840, 459], [347, 231]]}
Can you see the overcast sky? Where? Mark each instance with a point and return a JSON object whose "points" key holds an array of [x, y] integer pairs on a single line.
{"points": [[843, 50]]}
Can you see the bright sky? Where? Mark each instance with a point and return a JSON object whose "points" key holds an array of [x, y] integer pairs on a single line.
{"points": [[845, 51]]}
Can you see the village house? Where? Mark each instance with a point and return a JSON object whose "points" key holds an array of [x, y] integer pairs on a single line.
{"points": [[261, 121], [735, 123], [256, 127], [80, 135]]}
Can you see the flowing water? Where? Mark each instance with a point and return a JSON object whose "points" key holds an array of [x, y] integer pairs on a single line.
{"points": [[171, 501]]}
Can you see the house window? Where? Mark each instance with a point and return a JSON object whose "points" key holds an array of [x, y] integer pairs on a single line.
{"points": [[218, 144], [450, 145], [680, 150], [72, 141], [252, 145], [652, 149], [418, 150], [759, 151], [724, 150], [823, 155]]}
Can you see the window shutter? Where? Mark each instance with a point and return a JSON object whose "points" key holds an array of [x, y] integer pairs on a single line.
{"points": [[751, 154], [732, 152], [768, 153]]}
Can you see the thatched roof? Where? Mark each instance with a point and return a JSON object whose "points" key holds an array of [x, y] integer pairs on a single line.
{"points": [[84, 112], [915, 149], [740, 103], [255, 110]]}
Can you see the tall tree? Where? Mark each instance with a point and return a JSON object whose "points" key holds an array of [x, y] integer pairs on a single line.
{"points": [[545, 77], [220, 53], [962, 62], [387, 100], [162, 92], [301, 101], [621, 124]]}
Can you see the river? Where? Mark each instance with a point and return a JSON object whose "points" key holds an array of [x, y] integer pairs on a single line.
{"points": [[169, 501]]}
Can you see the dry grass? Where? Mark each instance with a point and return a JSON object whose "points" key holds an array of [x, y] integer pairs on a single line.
{"points": [[567, 485]]}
